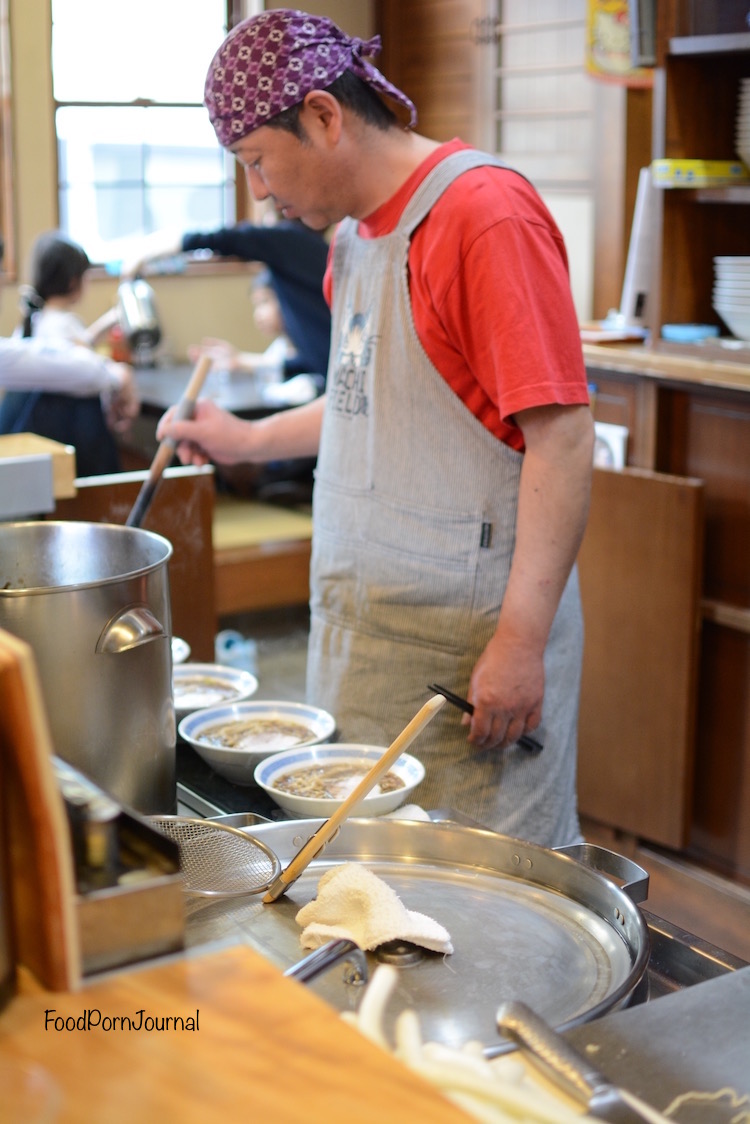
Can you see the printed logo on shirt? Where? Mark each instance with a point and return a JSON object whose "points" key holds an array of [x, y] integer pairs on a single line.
{"points": [[346, 387]]}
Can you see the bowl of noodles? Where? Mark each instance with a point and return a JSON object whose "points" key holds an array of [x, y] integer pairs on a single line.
{"points": [[313, 781], [233, 739]]}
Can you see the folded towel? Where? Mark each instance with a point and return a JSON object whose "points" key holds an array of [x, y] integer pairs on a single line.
{"points": [[408, 812], [354, 904]]}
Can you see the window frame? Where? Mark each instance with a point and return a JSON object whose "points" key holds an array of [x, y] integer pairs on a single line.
{"points": [[243, 204], [9, 266], [495, 30]]}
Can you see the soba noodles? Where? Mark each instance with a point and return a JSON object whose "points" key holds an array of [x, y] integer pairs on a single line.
{"points": [[331, 781]]}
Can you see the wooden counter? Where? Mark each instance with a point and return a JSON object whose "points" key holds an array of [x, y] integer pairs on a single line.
{"points": [[704, 370], [264, 1048], [664, 712]]}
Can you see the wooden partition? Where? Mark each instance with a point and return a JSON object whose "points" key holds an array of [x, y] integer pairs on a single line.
{"points": [[182, 511], [640, 569]]}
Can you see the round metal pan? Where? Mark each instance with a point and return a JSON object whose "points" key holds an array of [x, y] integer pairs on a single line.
{"points": [[526, 923]]}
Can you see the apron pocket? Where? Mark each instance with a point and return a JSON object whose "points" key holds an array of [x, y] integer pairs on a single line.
{"points": [[383, 569]]}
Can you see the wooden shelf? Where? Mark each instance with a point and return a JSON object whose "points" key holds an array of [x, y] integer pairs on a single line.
{"points": [[709, 351], [710, 44], [695, 107], [730, 193]]}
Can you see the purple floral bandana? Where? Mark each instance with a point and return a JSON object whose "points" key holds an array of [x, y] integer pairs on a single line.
{"points": [[268, 63]]}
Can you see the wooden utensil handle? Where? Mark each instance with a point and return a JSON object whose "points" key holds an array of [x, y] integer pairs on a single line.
{"points": [[186, 405], [165, 452], [326, 830]]}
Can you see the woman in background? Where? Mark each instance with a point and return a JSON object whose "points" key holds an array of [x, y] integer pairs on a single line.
{"points": [[58, 268]]}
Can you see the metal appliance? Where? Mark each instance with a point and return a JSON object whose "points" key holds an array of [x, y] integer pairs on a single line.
{"points": [[129, 888], [136, 305], [677, 960], [92, 600]]}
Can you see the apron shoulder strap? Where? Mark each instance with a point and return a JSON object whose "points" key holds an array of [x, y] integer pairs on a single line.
{"points": [[429, 191], [440, 178]]}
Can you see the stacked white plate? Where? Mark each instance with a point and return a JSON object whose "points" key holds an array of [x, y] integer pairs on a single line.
{"points": [[742, 124], [731, 294]]}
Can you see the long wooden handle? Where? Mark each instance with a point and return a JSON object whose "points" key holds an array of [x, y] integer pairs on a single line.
{"points": [[326, 830], [165, 452]]}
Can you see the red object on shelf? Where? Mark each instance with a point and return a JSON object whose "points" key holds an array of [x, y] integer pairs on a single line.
{"points": [[118, 345]]}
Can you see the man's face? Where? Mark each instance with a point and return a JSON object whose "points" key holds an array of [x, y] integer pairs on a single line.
{"points": [[303, 176]]}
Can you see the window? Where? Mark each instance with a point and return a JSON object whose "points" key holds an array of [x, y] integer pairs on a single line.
{"points": [[541, 115], [136, 151], [544, 99]]}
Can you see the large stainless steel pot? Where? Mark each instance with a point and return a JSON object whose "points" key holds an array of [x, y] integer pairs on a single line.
{"points": [[526, 923], [92, 600]]}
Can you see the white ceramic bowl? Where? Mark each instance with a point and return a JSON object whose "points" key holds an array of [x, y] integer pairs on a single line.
{"points": [[738, 321], [180, 650], [360, 757], [196, 686], [272, 730]]}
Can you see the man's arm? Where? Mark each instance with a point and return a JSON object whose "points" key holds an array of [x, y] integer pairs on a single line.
{"points": [[216, 435], [58, 366], [507, 684]]}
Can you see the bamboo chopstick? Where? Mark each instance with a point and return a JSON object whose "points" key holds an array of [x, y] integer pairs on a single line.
{"points": [[165, 452], [326, 830]]}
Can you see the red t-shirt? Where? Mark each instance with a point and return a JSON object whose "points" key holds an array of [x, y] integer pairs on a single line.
{"points": [[490, 293]]}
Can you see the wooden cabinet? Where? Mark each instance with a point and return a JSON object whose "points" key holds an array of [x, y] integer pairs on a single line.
{"points": [[646, 545], [695, 105], [640, 582], [687, 410]]}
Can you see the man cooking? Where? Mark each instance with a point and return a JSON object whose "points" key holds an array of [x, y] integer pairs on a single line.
{"points": [[454, 441]]}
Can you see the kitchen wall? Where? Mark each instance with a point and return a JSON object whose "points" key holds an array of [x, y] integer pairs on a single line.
{"points": [[189, 307]]}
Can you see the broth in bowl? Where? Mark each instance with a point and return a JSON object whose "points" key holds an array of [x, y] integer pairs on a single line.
{"points": [[332, 782], [233, 739], [270, 733], [315, 780]]}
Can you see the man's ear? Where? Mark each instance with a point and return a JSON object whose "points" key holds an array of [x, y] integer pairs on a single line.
{"points": [[321, 113]]}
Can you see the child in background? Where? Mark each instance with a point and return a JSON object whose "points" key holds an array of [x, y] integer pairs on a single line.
{"points": [[58, 271], [278, 361], [58, 268], [287, 481]]}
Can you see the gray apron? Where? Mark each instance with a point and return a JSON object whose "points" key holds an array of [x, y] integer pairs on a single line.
{"points": [[414, 515]]}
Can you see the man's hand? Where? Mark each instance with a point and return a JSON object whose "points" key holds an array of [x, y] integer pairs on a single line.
{"points": [[161, 244], [507, 684], [212, 435], [506, 690]]}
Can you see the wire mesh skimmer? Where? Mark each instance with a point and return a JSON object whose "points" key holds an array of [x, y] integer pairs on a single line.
{"points": [[217, 860]]}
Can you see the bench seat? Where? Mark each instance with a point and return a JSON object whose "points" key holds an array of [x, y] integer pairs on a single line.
{"points": [[261, 555]]}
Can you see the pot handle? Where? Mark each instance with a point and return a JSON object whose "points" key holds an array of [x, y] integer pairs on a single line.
{"points": [[633, 878], [129, 628]]}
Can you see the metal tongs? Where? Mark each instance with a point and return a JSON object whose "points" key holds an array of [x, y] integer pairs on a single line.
{"points": [[531, 745]]}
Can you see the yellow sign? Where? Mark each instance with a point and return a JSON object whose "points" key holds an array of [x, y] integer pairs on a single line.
{"points": [[608, 54]]}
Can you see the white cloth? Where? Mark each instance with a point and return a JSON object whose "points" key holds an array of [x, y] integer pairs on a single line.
{"points": [[408, 812], [354, 904], [56, 366]]}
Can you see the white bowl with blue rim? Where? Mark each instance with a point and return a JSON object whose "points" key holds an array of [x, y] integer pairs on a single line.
{"points": [[233, 739], [200, 686], [314, 781]]}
